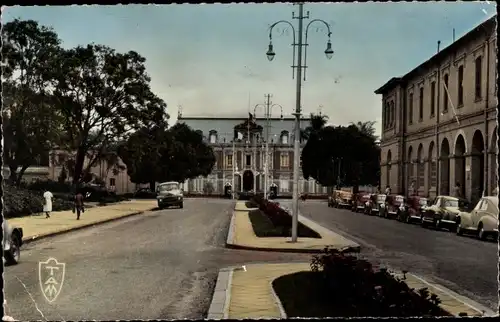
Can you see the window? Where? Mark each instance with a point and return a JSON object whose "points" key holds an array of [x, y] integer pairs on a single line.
{"points": [[421, 104], [445, 93], [112, 182], [393, 113], [433, 173], [213, 138], [410, 108], [460, 85], [484, 206], [284, 138], [284, 160], [479, 63], [388, 120], [229, 161], [384, 116], [433, 98], [248, 159]]}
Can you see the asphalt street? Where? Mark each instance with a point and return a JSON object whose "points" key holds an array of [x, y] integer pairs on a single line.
{"points": [[158, 265], [463, 264]]}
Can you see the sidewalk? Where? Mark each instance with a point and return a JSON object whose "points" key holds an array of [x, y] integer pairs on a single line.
{"points": [[36, 227], [246, 293], [241, 235]]}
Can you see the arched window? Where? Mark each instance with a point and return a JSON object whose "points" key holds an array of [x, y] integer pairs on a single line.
{"points": [[284, 137]]}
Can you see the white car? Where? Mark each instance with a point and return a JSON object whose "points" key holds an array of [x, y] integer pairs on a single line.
{"points": [[482, 220], [12, 242]]}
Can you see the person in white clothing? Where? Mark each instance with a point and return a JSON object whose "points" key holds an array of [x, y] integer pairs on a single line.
{"points": [[47, 206]]}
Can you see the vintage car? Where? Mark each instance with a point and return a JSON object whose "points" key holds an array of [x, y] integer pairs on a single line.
{"points": [[359, 201], [341, 199], [481, 221], [375, 203], [442, 213], [391, 206], [12, 242], [169, 194], [411, 211]]}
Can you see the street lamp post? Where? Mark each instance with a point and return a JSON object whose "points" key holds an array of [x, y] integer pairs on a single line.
{"points": [[268, 111], [299, 65]]}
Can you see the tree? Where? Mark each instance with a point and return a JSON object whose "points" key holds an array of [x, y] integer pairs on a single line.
{"points": [[352, 149], [176, 154], [104, 96], [31, 126]]}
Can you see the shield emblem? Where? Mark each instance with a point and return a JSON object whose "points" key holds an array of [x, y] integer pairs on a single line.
{"points": [[51, 278]]}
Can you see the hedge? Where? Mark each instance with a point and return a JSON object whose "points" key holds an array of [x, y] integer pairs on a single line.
{"points": [[21, 202]]}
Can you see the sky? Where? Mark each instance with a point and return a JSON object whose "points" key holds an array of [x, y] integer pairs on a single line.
{"points": [[211, 59]]}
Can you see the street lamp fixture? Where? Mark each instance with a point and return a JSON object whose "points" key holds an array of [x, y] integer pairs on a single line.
{"points": [[300, 65], [270, 52], [329, 50]]}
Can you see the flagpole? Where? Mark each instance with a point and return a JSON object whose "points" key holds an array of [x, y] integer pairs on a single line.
{"points": [[234, 160], [451, 103]]}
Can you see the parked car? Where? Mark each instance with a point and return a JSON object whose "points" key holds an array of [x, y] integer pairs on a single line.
{"points": [[144, 193], [391, 206], [481, 221], [359, 201], [442, 213], [411, 211], [170, 194], [12, 242], [374, 204], [341, 199]]}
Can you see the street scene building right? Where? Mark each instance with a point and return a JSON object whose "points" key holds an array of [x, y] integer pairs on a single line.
{"points": [[439, 121]]}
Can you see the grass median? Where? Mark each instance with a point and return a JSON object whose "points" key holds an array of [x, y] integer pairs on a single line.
{"points": [[264, 227]]}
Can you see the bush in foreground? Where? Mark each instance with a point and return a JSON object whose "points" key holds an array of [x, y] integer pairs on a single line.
{"points": [[342, 285]]}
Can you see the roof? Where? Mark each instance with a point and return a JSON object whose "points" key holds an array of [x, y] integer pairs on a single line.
{"points": [[488, 26]]}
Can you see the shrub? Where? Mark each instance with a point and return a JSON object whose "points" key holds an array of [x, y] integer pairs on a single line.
{"points": [[22, 202], [263, 226], [352, 282]]}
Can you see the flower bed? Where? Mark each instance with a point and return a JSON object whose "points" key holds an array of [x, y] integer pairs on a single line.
{"points": [[273, 221], [342, 285], [264, 227]]}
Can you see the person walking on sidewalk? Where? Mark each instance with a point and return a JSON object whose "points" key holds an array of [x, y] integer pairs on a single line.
{"points": [[47, 206], [78, 207]]}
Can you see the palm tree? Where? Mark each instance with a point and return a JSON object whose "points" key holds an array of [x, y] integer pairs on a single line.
{"points": [[366, 128], [316, 123]]}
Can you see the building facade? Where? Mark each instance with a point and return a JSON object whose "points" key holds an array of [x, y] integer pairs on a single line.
{"points": [[239, 147], [440, 121]]}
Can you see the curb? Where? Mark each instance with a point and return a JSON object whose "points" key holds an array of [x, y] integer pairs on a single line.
{"points": [[60, 232], [348, 249], [219, 307], [277, 300], [356, 248], [479, 308]]}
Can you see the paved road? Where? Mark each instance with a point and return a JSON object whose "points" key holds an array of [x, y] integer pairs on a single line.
{"points": [[463, 264], [160, 265]]}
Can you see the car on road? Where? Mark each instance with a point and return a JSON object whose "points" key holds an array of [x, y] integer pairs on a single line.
{"points": [[442, 213], [169, 194], [391, 206], [481, 221], [12, 242], [359, 201], [374, 204], [412, 210]]}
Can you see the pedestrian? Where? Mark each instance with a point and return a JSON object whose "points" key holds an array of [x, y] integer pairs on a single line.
{"points": [[413, 191], [458, 190], [78, 206], [47, 206], [388, 190]]}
